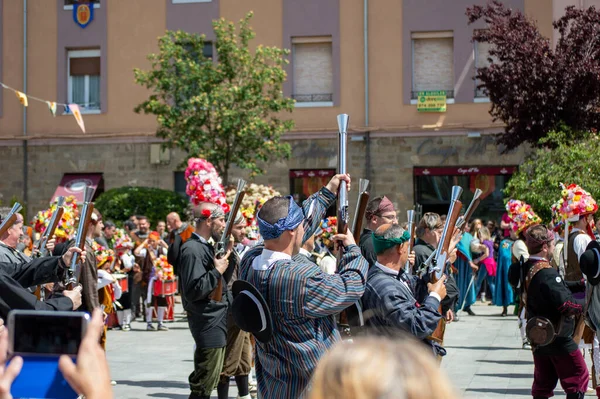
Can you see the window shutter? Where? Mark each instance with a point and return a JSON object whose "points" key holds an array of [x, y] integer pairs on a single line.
{"points": [[482, 53], [313, 72], [84, 66], [433, 64]]}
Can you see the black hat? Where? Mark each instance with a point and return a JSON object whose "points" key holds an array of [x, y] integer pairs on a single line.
{"points": [[250, 311], [590, 262]]}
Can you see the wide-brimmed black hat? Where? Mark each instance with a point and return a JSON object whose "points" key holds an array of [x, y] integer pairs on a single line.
{"points": [[250, 311], [590, 262]]}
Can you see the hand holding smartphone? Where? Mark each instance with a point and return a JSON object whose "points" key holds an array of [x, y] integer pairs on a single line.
{"points": [[40, 338]]}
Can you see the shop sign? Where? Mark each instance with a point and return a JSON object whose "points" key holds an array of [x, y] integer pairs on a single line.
{"points": [[431, 101]]}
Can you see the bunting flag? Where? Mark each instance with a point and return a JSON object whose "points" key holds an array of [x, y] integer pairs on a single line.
{"points": [[74, 108], [22, 98], [52, 107]]}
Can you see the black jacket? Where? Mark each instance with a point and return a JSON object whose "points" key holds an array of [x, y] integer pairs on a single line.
{"points": [[197, 279], [549, 296], [15, 277], [366, 247]]}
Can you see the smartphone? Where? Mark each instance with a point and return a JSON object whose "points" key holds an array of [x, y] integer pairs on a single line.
{"points": [[40, 338]]}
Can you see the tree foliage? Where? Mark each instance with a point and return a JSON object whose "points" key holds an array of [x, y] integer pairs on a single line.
{"points": [[533, 88], [118, 204], [538, 179], [228, 111]]}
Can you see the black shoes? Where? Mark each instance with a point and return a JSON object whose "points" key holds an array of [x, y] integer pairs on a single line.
{"points": [[469, 311]]}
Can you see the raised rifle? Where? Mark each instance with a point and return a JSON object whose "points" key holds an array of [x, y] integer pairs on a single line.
{"points": [[217, 294], [464, 219], [52, 225], [361, 208], [342, 209], [85, 217], [10, 218], [410, 214], [440, 255]]}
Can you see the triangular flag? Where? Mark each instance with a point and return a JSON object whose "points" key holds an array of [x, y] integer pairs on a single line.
{"points": [[52, 107], [22, 98], [74, 108]]}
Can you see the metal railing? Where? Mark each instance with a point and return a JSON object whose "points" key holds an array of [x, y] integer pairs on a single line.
{"points": [[414, 94], [313, 98]]}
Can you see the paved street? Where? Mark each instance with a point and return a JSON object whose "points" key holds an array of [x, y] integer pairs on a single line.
{"points": [[484, 360]]}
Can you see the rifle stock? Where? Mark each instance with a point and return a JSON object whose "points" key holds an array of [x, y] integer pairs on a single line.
{"points": [[217, 293], [10, 218], [463, 221], [361, 208], [85, 218], [52, 225]]}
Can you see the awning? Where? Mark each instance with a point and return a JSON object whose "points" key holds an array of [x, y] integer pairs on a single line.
{"points": [[75, 183]]}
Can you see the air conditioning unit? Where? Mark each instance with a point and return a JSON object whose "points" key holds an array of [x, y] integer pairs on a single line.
{"points": [[159, 156]]}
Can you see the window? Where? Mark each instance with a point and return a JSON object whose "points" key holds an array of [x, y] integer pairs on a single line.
{"points": [[482, 54], [84, 80], [69, 3], [434, 185], [305, 182], [180, 183], [432, 63], [312, 71]]}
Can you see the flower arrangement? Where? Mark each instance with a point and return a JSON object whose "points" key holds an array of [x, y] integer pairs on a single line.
{"points": [[575, 202], [256, 196], [164, 271], [66, 226], [122, 241], [103, 254], [521, 215], [328, 230], [204, 184]]}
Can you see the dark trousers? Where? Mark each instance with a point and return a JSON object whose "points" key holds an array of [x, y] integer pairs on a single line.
{"points": [[570, 369], [136, 293], [208, 363]]}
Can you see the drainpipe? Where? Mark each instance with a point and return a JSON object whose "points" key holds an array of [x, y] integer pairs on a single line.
{"points": [[25, 155], [366, 60]]}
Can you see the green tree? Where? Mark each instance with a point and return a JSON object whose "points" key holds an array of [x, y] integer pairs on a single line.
{"points": [[118, 204], [228, 112], [538, 179]]}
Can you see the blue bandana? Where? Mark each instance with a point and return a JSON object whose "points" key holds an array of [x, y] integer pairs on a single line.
{"points": [[293, 219]]}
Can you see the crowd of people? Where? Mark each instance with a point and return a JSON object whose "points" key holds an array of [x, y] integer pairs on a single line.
{"points": [[315, 287]]}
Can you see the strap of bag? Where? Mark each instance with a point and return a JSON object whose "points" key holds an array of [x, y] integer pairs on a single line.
{"points": [[532, 272]]}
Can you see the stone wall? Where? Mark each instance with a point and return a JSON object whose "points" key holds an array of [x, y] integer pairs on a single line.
{"points": [[391, 173]]}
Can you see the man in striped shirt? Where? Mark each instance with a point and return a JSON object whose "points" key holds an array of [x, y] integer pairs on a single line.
{"points": [[302, 298]]}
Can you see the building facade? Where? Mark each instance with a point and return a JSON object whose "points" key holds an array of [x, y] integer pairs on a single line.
{"points": [[378, 61]]}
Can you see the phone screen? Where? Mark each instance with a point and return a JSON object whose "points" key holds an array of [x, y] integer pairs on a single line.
{"points": [[47, 334]]}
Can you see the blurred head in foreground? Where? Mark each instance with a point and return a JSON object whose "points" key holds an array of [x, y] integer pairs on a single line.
{"points": [[380, 368]]}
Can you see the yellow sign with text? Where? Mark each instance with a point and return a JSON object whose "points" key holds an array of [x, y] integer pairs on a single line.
{"points": [[431, 101]]}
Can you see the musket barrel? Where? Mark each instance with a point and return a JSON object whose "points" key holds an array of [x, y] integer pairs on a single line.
{"points": [[342, 121]]}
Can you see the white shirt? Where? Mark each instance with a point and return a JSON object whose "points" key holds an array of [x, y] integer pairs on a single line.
{"points": [[395, 273], [305, 253], [520, 249], [267, 258], [105, 278], [580, 242]]}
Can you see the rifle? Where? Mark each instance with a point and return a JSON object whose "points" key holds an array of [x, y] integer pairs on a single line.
{"points": [[410, 214], [52, 225], [10, 218], [217, 294], [342, 212], [85, 217], [441, 253], [361, 208], [464, 219]]}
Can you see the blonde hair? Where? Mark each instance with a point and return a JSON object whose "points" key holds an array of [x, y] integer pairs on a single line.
{"points": [[380, 368], [484, 234]]}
